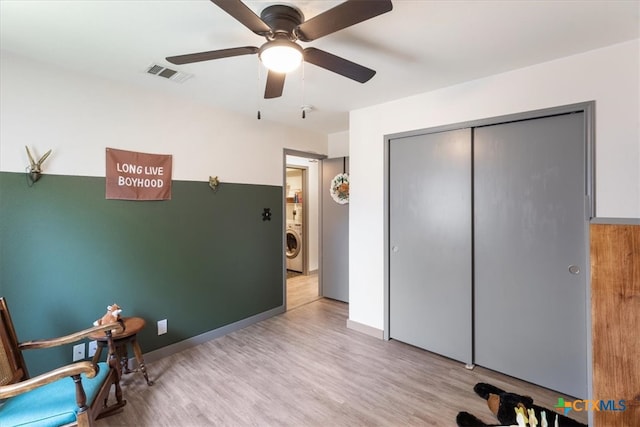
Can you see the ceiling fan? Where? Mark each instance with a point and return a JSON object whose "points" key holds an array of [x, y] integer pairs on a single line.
{"points": [[283, 26]]}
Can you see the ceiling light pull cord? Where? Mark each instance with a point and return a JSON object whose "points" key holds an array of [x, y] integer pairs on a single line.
{"points": [[304, 110], [258, 97]]}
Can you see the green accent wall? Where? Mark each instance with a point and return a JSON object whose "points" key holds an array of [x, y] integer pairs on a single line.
{"points": [[201, 260]]}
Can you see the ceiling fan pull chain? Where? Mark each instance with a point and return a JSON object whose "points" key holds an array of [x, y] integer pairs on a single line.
{"points": [[304, 110], [258, 97]]}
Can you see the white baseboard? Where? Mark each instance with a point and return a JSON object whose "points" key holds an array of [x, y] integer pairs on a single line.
{"points": [[365, 329]]}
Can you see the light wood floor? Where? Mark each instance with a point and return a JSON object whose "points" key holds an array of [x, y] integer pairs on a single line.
{"points": [[305, 368], [302, 290]]}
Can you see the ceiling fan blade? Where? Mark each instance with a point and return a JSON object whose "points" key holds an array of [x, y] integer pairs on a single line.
{"points": [[338, 65], [342, 16], [244, 15], [275, 85], [212, 54]]}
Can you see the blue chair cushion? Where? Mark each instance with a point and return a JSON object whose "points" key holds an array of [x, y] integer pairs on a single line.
{"points": [[51, 405]]}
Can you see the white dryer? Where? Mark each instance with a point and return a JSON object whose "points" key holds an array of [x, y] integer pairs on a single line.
{"points": [[294, 247]]}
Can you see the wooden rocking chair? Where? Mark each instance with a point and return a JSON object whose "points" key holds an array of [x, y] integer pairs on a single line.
{"points": [[72, 395]]}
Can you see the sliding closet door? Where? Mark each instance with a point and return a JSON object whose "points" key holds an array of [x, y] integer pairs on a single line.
{"points": [[430, 242], [530, 251]]}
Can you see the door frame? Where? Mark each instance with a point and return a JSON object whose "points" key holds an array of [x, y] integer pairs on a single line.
{"points": [[588, 108], [311, 156]]}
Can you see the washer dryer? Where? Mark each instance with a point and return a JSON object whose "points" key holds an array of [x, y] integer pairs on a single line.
{"points": [[294, 247]]}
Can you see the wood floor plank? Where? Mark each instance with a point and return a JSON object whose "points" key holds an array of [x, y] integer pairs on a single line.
{"points": [[302, 290], [305, 368]]}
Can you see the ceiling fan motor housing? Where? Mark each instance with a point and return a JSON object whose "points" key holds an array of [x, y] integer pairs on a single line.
{"points": [[282, 19]]}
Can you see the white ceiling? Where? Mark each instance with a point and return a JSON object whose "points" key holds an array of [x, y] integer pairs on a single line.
{"points": [[419, 46]]}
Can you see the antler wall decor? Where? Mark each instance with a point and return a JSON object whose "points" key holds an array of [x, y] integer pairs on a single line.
{"points": [[213, 183], [35, 169]]}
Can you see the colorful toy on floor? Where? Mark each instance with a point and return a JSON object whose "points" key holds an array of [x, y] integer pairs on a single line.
{"points": [[513, 410]]}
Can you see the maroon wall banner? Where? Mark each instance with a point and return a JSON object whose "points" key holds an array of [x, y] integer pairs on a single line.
{"points": [[138, 176]]}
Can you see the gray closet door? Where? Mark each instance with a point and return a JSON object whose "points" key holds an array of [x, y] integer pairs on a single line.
{"points": [[430, 239], [530, 228], [335, 235]]}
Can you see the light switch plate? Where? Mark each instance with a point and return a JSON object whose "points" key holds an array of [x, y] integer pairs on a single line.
{"points": [[162, 327], [93, 347], [78, 352]]}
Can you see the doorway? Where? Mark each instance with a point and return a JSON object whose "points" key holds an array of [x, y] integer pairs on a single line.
{"points": [[301, 228], [296, 194]]}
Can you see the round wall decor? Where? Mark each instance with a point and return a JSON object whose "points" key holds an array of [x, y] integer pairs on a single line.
{"points": [[340, 188]]}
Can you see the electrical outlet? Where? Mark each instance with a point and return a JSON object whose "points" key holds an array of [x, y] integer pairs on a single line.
{"points": [[78, 352], [162, 327], [93, 347]]}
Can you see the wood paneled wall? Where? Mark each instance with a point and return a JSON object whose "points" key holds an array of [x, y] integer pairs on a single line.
{"points": [[615, 306]]}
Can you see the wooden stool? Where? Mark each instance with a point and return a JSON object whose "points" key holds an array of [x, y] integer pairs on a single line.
{"points": [[132, 325]]}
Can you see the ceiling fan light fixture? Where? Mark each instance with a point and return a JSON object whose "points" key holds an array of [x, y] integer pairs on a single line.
{"points": [[281, 55]]}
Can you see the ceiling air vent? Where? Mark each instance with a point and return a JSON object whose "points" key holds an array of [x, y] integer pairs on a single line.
{"points": [[168, 73]]}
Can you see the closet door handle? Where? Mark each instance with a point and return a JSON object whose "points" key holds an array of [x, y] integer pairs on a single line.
{"points": [[574, 269], [394, 249]]}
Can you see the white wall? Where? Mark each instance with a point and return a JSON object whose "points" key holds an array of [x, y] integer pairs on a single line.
{"points": [[338, 144], [78, 115], [610, 76]]}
